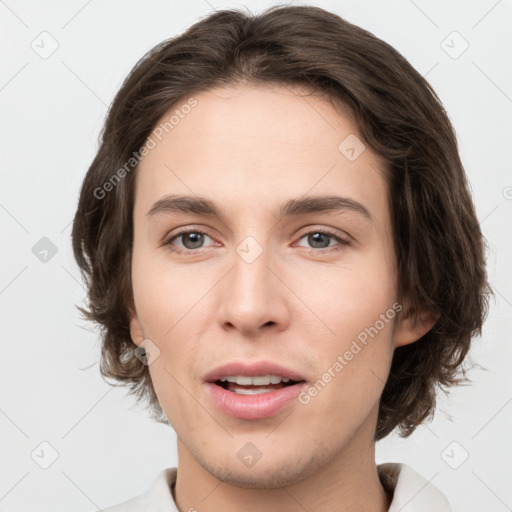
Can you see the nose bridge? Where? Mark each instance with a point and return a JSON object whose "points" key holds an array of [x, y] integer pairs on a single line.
{"points": [[251, 277], [252, 295]]}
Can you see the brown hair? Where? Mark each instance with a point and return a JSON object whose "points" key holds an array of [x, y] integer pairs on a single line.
{"points": [[437, 238]]}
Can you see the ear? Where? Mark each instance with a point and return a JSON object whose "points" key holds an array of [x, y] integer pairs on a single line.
{"points": [[135, 327], [413, 325]]}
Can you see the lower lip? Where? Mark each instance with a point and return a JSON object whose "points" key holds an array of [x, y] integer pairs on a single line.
{"points": [[254, 407]]}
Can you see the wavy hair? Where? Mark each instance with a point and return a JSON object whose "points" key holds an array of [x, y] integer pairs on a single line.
{"points": [[437, 239]]}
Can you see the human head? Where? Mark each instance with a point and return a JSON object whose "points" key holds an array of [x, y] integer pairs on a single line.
{"points": [[436, 237]]}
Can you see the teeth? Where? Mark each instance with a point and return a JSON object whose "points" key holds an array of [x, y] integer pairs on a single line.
{"points": [[263, 380], [254, 391]]}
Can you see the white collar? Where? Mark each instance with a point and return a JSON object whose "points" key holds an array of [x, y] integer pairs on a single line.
{"points": [[411, 492]]}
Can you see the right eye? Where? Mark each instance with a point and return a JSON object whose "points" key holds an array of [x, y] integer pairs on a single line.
{"points": [[190, 243]]}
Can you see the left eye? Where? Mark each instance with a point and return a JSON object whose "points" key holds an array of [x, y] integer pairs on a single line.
{"points": [[317, 239], [193, 240]]}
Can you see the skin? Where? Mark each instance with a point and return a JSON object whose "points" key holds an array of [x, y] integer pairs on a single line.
{"points": [[250, 148]]}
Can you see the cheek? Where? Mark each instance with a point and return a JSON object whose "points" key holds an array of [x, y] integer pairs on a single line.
{"points": [[359, 310], [352, 299], [350, 380], [175, 384], [162, 295]]}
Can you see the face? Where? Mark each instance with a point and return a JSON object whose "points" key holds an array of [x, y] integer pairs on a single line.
{"points": [[302, 290]]}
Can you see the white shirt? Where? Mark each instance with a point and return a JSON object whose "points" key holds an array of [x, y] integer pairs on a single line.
{"points": [[411, 492]]}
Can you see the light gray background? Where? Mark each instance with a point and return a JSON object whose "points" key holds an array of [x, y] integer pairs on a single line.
{"points": [[52, 113]]}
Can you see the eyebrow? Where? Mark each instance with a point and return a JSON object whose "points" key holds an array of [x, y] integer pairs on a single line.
{"points": [[293, 207]]}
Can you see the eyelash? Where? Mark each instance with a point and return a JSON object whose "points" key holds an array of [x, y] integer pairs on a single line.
{"points": [[342, 241]]}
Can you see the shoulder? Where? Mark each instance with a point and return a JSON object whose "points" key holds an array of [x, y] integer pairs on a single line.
{"points": [[157, 497], [135, 504], [410, 491]]}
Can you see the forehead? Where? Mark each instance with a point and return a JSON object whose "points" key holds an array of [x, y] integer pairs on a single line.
{"points": [[288, 119], [252, 144]]}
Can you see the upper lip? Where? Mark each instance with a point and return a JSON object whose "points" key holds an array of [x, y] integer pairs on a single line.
{"points": [[252, 370]]}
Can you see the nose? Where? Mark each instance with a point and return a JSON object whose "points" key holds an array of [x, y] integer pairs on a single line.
{"points": [[253, 296]]}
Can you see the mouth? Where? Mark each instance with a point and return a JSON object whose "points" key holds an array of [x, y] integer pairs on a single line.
{"points": [[253, 391]]}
